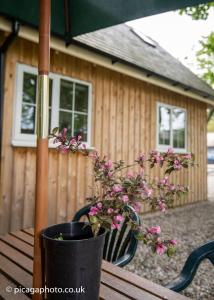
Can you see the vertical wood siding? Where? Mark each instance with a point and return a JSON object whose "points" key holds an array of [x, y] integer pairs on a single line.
{"points": [[123, 125]]}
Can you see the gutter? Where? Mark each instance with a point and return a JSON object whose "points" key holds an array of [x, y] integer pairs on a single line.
{"points": [[3, 51]]}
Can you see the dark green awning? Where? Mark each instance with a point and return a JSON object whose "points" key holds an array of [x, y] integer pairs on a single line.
{"points": [[84, 16]]}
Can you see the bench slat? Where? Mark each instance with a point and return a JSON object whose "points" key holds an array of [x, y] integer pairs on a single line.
{"points": [[15, 273], [18, 244], [24, 237], [17, 257], [4, 283]]}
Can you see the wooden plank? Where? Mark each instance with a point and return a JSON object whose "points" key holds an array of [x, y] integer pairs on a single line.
{"points": [[17, 257], [24, 237], [15, 273], [7, 150], [72, 186], [105, 116], [81, 171], [53, 185], [4, 295], [107, 293], [29, 231], [18, 244], [126, 120], [18, 189], [29, 189], [126, 289], [140, 282], [112, 115], [62, 188], [131, 131], [98, 109]]}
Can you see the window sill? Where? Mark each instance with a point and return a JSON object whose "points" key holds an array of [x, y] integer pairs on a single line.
{"points": [[32, 144], [165, 149]]}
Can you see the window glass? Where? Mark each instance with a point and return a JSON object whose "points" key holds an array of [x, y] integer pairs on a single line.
{"points": [[66, 94], [28, 119], [164, 125], [81, 98], [178, 127], [29, 88], [65, 121], [80, 125], [28, 103]]}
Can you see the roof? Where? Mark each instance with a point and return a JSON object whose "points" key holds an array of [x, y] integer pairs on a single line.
{"points": [[124, 45]]}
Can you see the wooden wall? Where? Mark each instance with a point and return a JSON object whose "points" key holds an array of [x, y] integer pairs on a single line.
{"points": [[123, 125]]}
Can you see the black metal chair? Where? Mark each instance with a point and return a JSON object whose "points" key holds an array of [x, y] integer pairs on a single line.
{"points": [[120, 245], [191, 265]]}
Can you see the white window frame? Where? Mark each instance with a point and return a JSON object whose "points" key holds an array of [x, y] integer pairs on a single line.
{"points": [[29, 140], [164, 148]]}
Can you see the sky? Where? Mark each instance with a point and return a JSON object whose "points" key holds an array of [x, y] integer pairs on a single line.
{"points": [[179, 35]]}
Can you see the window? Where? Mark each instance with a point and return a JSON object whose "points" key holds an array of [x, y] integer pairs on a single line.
{"points": [[171, 122], [69, 106]]}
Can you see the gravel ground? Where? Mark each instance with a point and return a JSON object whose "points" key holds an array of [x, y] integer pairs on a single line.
{"points": [[192, 226]]}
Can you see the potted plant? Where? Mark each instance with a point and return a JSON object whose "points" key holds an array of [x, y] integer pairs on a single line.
{"points": [[73, 251]]}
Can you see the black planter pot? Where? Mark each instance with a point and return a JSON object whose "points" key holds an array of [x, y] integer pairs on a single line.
{"points": [[72, 263]]}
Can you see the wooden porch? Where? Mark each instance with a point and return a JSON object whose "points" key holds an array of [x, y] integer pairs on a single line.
{"points": [[16, 268]]}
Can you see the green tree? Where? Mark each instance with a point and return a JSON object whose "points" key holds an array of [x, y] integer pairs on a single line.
{"points": [[205, 56]]}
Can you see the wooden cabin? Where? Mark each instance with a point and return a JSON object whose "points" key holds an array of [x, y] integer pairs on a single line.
{"points": [[125, 95]]}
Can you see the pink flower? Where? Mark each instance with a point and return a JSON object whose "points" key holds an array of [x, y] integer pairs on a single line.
{"points": [[63, 149], [117, 188], [137, 206], [94, 155], [187, 156], [125, 198], [79, 137], [154, 230], [177, 165], [172, 187], [118, 218], [110, 174], [164, 181], [147, 192], [115, 226], [73, 141], [110, 210], [160, 248], [108, 164], [170, 151], [162, 206], [130, 175], [99, 205], [93, 211], [173, 242], [141, 159]]}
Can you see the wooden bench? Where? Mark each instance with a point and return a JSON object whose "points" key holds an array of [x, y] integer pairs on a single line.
{"points": [[16, 268]]}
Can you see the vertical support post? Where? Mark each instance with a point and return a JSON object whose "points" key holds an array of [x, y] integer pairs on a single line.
{"points": [[41, 201]]}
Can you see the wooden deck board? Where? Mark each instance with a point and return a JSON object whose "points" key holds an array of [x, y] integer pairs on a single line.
{"points": [[15, 273], [24, 237], [17, 257], [4, 284], [16, 267], [30, 231], [18, 244]]}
